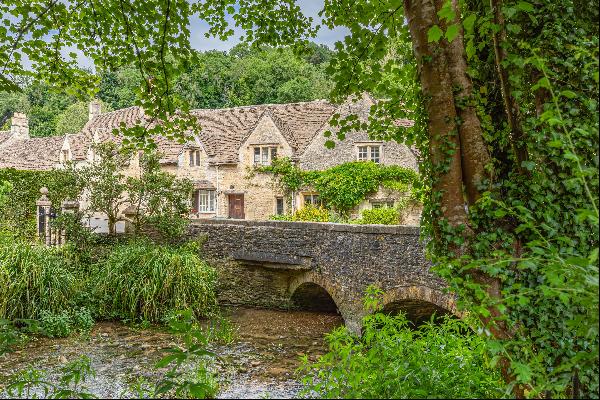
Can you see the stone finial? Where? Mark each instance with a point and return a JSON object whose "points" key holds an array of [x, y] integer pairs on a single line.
{"points": [[94, 109], [19, 126]]}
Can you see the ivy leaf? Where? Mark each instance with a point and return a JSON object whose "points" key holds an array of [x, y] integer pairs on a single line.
{"points": [[452, 32], [447, 12], [469, 23], [434, 34], [525, 6], [568, 94], [330, 144]]}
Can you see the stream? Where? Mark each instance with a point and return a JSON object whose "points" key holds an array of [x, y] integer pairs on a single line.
{"points": [[260, 363]]}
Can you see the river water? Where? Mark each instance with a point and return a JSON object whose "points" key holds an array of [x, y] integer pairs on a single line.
{"points": [[260, 363]]}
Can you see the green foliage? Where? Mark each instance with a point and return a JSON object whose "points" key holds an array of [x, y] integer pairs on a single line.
{"points": [[311, 213], [65, 322], [56, 324], [344, 186], [220, 330], [383, 216], [202, 383], [394, 360], [19, 210], [74, 117], [142, 280], [31, 382], [160, 200], [34, 279]]}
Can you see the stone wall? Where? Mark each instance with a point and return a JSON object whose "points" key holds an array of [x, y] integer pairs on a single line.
{"points": [[264, 263]]}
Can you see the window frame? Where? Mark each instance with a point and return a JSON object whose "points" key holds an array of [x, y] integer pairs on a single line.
{"points": [[366, 152], [279, 199], [312, 202], [382, 204], [264, 155], [206, 201]]}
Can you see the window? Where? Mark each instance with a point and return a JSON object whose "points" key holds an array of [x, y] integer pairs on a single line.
{"points": [[363, 153], [279, 205], [369, 153], [264, 155], [194, 158], [313, 199], [206, 200], [65, 155], [382, 204]]}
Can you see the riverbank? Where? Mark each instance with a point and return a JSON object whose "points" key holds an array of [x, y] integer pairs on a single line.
{"points": [[261, 362]]}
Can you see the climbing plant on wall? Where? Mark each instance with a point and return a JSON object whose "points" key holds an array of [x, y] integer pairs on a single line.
{"points": [[18, 211], [344, 186]]}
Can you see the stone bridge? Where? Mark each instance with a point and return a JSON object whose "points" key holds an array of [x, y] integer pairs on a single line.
{"points": [[321, 266]]}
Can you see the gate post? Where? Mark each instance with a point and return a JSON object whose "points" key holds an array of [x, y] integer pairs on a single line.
{"points": [[43, 216]]}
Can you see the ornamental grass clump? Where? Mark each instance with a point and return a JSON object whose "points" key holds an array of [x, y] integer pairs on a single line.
{"points": [[33, 279], [145, 281]]}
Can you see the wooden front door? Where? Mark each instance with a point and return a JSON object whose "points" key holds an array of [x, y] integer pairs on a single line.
{"points": [[236, 206]]}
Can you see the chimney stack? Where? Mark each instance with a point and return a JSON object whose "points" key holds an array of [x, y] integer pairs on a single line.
{"points": [[94, 109], [19, 127]]}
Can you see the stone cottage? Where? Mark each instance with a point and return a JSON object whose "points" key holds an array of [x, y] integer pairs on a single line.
{"points": [[220, 159]]}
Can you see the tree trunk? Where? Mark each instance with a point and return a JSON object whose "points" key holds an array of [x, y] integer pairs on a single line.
{"points": [[474, 152], [511, 108], [444, 142]]}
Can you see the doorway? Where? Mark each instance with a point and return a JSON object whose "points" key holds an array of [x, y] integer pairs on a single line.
{"points": [[236, 206]]}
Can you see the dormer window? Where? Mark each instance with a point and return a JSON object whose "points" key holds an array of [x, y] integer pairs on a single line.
{"points": [[371, 152], [194, 158], [264, 155]]}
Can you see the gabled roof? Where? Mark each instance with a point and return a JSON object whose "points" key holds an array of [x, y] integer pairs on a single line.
{"points": [[225, 130], [39, 153]]}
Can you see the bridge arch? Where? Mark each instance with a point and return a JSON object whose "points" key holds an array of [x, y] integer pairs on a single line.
{"points": [[419, 303], [310, 284]]}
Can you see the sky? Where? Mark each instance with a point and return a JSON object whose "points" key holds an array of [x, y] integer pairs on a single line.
{"points": [[198, 28], [310, 8]]}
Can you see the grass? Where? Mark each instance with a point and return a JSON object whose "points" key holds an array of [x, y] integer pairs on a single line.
{"points": [[142, 280]]}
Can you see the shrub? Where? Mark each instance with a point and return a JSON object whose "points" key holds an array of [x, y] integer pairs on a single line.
{"points": [[393, 360], [33, 278], [142, 280], [383, 216], [82, 319], [311, 213], [57, 324]]}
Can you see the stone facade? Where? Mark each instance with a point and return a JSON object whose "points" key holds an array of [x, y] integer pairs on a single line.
{"points": [[221, 160], [268, 263]]}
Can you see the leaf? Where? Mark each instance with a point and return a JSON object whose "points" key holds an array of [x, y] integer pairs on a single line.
{"points": [[555, 143], [434, 34], [525, 6], [568, 94], [522, 371], [452, 32], [469, 23]]}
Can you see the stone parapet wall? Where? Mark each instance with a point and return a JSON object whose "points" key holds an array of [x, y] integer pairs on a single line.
{"points": [[263, 263]]}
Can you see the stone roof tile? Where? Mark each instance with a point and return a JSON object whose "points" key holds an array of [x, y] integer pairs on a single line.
{"points": [[38, 153]]}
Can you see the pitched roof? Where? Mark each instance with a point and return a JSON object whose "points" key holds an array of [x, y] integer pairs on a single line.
{"points": [[39, 153], [224, 130]]}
